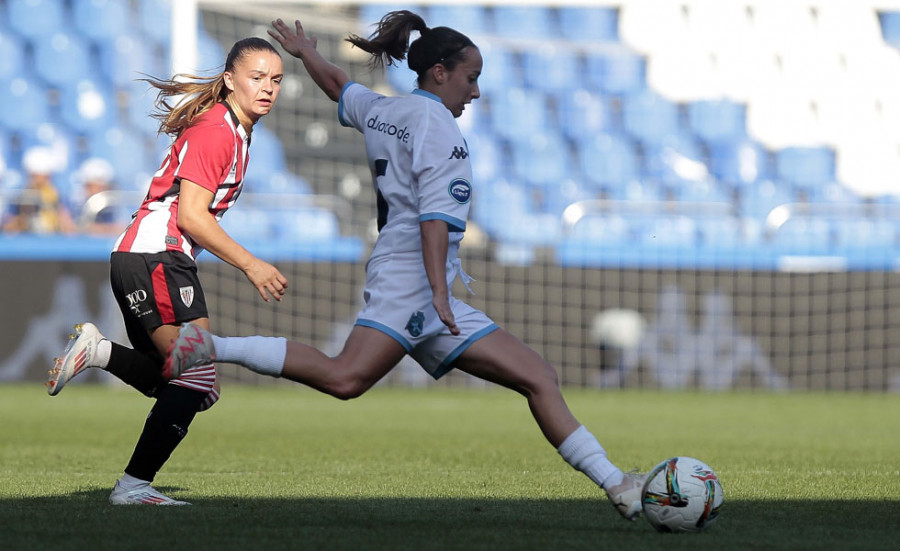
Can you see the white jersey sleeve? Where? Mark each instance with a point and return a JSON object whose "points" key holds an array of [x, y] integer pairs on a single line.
{"points": [[354, 104], [442, 170]]}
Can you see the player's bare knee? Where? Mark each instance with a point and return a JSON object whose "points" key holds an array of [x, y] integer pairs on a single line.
{"points": [[348, 386]]}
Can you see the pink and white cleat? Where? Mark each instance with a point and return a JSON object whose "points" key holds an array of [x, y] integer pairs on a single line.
{"points": [[144, 494]]}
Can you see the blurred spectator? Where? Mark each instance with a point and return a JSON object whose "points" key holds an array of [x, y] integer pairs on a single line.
{"points": [[97, 210], [38, 208]]}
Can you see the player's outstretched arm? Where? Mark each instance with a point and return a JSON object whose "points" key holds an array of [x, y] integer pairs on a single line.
{"points": [[195, 219], [434, 255], [327, 76]]}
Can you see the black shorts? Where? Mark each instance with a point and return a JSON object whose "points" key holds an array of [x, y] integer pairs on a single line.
{"points": [[155, 289]]}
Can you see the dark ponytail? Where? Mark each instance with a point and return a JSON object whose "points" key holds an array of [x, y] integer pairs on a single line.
{"points": [[390, 43]]}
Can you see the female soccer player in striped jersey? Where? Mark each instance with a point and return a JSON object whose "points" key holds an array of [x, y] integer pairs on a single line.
{"points": [[153, 271], [423, 182]]}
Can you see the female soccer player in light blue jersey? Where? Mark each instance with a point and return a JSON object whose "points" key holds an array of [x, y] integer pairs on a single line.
{"points": [[423, 182]]}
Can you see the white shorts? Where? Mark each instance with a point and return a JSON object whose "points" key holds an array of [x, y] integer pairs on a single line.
{"points": [[398, 303]]}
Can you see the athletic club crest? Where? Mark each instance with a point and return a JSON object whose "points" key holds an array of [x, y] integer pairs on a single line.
{"points": [[187, 295], [415, 324]]}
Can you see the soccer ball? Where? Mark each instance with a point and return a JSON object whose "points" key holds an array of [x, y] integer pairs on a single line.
{"points": [[681, 494]]}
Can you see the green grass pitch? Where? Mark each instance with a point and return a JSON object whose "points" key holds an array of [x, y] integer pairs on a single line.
{"points": [[283, 467]]}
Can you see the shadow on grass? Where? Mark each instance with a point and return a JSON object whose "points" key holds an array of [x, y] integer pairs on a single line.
{"points": [[85, 520]]}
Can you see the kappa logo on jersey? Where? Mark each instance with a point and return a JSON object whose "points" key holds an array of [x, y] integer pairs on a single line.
{"points": [[458, 153], [187, 295], [415, 324], [460, 190], [402, 134]]}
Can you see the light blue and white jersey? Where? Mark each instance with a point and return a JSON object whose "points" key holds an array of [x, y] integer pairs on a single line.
{"points": [[419, 162]]}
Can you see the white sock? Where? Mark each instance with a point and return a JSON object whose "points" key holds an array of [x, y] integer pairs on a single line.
{"points": [[263, 355], [582, 451], [104, 349], [128, 482]]}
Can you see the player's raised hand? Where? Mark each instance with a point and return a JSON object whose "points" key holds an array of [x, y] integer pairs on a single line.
{"points": [[267, 280], [293, 42]]}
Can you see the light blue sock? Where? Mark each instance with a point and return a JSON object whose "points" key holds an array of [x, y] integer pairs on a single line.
{"points": [[263, 355]]}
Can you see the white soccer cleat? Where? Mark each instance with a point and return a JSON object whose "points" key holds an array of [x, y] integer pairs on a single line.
{"points": [[191, 348], [144, 494], [626, 497], [78, 356]]}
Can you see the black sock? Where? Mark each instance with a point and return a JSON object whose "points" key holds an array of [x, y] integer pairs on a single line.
{"points": [[136, 369], [164, 429]]}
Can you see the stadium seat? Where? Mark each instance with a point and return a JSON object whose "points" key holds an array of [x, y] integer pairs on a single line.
{"points": [[469, 19], [140, 106], [497, 202], [758, 199], [715, 121], [487, 156], [601, 229], [500, 70], [249, 224], [608, 161], [266, 154], [589, 23], [649, 118], [541, 161], [30, 101], [833, 193], [533, 22], [12, 55], [306, 224], [61, 58], [804, 235], [739, 162], [673, 159], [124, 149], [550, 69], [401, 78], [280, 182], [532, 229], [556, 200], [126, 58], [36, 19], [805, 167], [88, 105], [720, 231], [583, 114], [155, 18], [890, 27], [665, 230], [98, 19], [614, 70], [850, 233], [518, 114]]}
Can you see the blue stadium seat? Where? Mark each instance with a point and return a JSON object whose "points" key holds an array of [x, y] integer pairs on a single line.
{"points": [[98, 19], [279, 182], [140, 107], [249, 224], [608, 161], [155, 18], [589, 23], [555, 200], [125, 58], [533, 22], [306, 224], [542, 161], [518, 114], [615, 70], [666, 231], [673, 159], [88, 105], [487, 156], [605, 229], [850, 233], [720, 231], [497, 202], [550, 69], [25, 103], [469, 19], [758, 199], [61, 58], [805, 167], [890, 27], [532, 229], [697, 191], [124, 149], [833, 193], [12, 55], [649, 117], [583, 114], [266, 155], [500, 70], [739, 163], [804, 235], [36, 19], [715, 121]]}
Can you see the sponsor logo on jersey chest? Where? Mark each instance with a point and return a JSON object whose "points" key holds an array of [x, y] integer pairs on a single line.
{"points": [[388, 128]]}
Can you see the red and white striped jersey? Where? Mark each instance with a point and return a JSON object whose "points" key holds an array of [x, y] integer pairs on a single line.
{"points": [[213, 153]]}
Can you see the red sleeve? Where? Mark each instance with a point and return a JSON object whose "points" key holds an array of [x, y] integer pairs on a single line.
{"points": [[208, 153]]}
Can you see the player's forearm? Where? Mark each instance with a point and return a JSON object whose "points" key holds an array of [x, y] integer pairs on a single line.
{"points": [[435, 242], [327, 76], [205, 231]]}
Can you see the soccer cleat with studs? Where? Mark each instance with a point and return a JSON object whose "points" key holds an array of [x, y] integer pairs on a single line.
{"points": [[192, 347], [626, 497], [78, 355], [144, 494]]}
